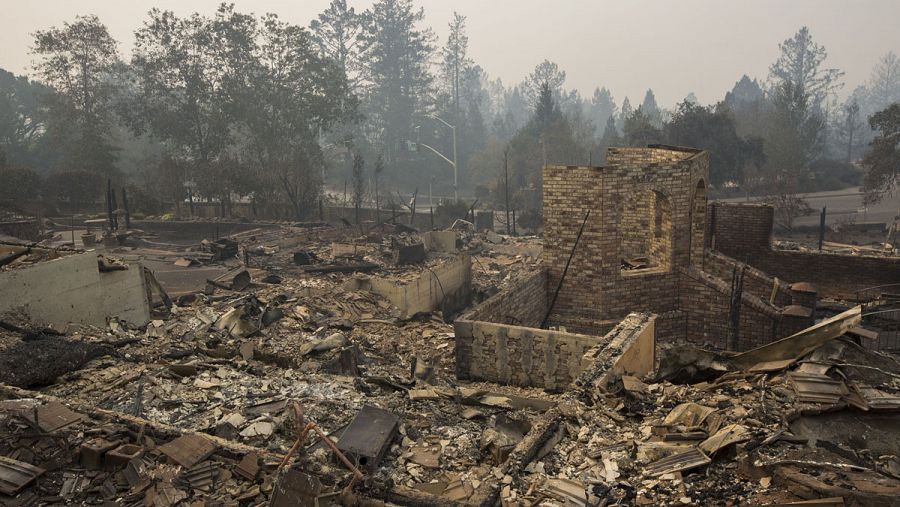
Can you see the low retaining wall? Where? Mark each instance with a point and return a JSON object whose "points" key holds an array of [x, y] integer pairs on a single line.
{"points": [[447, 287], [22, 229], [489, 349]]}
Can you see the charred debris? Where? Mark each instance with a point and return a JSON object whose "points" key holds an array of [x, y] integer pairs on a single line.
{"points": [[650, 348]]}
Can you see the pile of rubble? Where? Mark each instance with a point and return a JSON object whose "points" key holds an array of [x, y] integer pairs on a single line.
{"points": [[280, 383], [775, 424]]}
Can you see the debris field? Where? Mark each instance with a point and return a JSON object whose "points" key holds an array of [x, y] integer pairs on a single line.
{"points": [[637, 353]]}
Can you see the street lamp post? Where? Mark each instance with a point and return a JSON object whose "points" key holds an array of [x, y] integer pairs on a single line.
{"points": [[451, 162]]}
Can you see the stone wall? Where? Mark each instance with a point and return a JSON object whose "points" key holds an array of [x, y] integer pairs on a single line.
{"points": [[744, 231]]}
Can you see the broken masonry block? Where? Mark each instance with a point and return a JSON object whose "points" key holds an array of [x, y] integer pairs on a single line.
{"points": [[92, 452], [409, 254], [120, 456]]}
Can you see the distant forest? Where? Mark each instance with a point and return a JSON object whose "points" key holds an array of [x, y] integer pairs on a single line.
{"points": [[229, 106]]}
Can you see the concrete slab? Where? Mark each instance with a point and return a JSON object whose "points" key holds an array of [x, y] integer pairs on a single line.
{"points": [[72, 289]]}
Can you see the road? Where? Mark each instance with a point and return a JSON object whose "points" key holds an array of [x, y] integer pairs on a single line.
{"points": [[842, 204]]}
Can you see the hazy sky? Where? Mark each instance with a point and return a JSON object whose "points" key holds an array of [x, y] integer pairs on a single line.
{"points": [[675, 47]]}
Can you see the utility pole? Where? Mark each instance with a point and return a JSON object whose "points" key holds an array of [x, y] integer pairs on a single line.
{"points": [[506, 185], [822, 228], [430, 195]]}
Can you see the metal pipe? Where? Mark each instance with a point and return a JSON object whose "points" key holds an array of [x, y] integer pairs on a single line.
{"points": [[565, 270]]}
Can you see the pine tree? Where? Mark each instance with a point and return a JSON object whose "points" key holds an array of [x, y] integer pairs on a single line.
{"points": [[884, 85], [339, 33], [626, 113], [397, 65], [545, 73], [456, 62], [602, 107], [801, 64], [651, 109], [611, 137], [882, 162]]}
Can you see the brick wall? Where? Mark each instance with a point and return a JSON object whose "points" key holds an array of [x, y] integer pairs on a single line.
{"points": [[740, 230], [835, 275], [705, 300], [644, 201], [635, 223], [756, 282], [744, 231], [523, 303]]}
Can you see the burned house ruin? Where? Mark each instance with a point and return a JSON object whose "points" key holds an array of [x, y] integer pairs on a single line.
{"points": [[320, 364], [643, 249]]}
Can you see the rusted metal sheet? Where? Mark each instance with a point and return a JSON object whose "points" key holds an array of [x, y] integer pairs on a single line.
{"points": [[815, 388], [677, 462], [248, 468], [295, 488], [368, 436], [203, 476], [54, 416]]}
